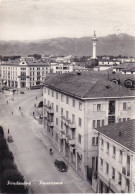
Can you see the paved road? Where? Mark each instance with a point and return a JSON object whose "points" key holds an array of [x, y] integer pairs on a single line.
{"points": [[31, 156]]}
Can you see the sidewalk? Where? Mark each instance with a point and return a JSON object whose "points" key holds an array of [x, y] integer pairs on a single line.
{"points": [[85, 186]]}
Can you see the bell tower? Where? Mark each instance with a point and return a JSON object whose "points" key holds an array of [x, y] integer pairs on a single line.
{"points": [[94, 40]]}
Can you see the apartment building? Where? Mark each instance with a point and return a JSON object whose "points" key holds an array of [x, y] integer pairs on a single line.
{"points": [[116, 158], [75, 104], [23, 74]]}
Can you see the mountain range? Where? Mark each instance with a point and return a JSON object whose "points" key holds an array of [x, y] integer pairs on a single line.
{"points": [[114, 45]]}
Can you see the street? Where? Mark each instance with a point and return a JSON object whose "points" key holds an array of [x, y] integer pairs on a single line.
{"points": [[31, 155]]}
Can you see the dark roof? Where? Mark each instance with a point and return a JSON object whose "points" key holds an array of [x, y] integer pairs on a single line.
{"points": [[127, 130], [86, 85]]}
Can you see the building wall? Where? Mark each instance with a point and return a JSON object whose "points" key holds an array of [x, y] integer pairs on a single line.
{"points": [[119, 163], [88, 116]]}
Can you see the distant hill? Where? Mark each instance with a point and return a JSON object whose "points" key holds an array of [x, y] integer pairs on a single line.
{"points": [[122, 44]]}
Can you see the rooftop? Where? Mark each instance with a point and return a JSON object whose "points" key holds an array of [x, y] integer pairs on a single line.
{"points": [[123, 133], [86, 85]]}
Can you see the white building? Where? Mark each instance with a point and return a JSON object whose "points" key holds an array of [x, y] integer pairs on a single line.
{"points": [[108, 62], [116, 158], [23, 74], [61, 68], [74, 104]]}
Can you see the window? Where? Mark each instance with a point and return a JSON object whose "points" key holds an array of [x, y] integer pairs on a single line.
{"points": [[124, 119], [48, 91], [67, 100], [103, 122], [98, 123], [73, 103], [73, 118], [94, 141], [102, 143], [119, 178], [98, 107], [124, 106], [80, 122], [52, 105], [107, 149], [128, 165], [56, 95], [120, 156], [56, 108], [80, 106], [52, 93], [66, 114], [107, 168], [79, 138], [113, 173], [61, 111], [56, 136], [61, 124], [94, 124], [101, 163], [56, 121], [114, 151], [62, 98]]}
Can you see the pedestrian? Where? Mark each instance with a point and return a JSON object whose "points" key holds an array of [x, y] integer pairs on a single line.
{"points": [[8, 131], [7, 102], [35, 105], [36, 97], [12, 112], [33, 114]]}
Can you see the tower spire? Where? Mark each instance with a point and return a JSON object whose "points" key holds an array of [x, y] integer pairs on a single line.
{"points": [[94, 40]]}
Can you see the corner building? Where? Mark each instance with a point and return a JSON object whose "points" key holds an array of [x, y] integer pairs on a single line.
{"points": [[23, 74], [75, 104]]}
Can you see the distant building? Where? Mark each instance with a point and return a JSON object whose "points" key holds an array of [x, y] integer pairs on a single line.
{"points": [[107, 62], [116, 158], [23, 74], [102, 67], [75, 104], [61, 68], [27, 59], [77, 68]]}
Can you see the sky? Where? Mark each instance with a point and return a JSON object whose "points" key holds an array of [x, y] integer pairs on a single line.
{"points": [[44, 19]]}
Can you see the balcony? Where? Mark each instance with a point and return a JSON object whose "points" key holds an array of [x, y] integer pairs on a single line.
{"points": [[49, 109], [71, 141], [50, 123], [62, 135], [72, 125]]}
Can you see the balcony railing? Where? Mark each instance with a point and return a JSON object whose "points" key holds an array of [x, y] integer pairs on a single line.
{"points": [[50, 123], [71, 141], [62, 135], [72, 125], [49, 109]]}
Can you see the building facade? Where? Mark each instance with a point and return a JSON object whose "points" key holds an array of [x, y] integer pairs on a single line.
{"points": [[23, 74], [116, 158], [76, 104]]}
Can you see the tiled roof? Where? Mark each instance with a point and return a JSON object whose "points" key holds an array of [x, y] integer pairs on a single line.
{"points": [[127, 130], [86, 85]]}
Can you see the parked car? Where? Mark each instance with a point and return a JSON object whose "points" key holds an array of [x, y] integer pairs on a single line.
{"points": [[22, 92], [10, 139], [62, 167]]}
